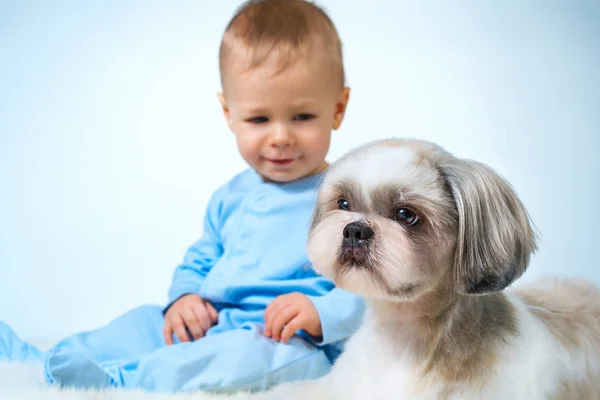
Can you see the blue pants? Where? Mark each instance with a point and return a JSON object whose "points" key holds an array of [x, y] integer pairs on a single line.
{"points": [[130, 352]]}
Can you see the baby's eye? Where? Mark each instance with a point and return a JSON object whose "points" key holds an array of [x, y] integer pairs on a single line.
{"points": [[258, 120], [304, 117]]}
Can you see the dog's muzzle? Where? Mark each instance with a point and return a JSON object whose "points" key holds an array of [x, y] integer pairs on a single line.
{"points": [[357, 236]]}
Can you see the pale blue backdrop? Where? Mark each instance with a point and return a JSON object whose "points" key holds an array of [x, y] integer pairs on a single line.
{"points": [[111, 137]]}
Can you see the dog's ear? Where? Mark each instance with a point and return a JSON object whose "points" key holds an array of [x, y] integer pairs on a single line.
{"points": [[495, 235], [317, 215], [318, 211]]}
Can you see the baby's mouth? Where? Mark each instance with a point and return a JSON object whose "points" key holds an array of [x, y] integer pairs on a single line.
{"points": [[281, 162]]}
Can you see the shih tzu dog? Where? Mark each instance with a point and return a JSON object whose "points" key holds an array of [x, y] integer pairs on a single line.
{"points": [[431, 241]]}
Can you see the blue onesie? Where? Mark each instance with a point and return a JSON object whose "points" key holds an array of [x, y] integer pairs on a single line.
{"points": [[253, 249]]}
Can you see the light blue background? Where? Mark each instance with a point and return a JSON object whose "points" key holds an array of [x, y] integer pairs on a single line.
{"points": [[111, 137]]}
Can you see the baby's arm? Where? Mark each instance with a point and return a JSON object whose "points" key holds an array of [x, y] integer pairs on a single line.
{"points": [[187, 314], [200, 257], [327, 319], [340, 313], [290, 313]]}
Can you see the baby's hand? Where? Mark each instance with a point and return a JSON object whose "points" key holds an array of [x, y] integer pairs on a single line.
{"points": [[191, 312], [289, 313]]}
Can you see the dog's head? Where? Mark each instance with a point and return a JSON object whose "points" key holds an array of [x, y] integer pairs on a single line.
{"points": [[394, 217]]}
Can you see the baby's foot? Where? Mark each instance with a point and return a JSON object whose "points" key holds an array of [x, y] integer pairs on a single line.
{"points": [[70, 369], [12, 348]]}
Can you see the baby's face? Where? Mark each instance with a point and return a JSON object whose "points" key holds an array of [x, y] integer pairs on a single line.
{"points": [[283, 121]]}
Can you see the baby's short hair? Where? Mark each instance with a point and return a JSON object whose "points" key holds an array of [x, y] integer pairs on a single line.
{"points": [[294, 28]]}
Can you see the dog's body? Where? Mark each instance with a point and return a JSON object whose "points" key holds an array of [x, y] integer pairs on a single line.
{"points": [[527, 363], [431, 242]]}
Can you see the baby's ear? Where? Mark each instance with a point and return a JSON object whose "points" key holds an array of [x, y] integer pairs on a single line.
{"points": [[225, 108], [495, 235], [340, 107]]}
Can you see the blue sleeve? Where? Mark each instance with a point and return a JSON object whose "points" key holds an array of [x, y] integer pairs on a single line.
{"points": [[200, 257], [341, 314]]}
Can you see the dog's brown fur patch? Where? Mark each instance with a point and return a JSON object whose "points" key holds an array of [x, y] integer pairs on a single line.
{"points": [[467, 348], [459, 337], [571, 311]]}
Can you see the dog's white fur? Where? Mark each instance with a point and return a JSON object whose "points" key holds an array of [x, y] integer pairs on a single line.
{"points": [[439, 324]]}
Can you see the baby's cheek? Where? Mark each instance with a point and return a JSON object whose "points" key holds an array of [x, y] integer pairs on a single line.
{"points": [[316, 146], [251, 157]]}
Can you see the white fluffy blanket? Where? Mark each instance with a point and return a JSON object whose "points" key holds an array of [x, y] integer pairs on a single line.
{"points": [[24, 381]]}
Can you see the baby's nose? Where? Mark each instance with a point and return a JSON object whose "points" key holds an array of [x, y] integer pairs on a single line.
{"points": [[281, 136]]}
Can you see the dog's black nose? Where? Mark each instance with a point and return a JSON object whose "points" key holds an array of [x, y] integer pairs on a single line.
{"points": [[355, 243], [357, 232]]}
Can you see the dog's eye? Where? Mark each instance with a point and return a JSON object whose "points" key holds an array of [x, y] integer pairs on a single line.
{"points": [[343, 205], [407, 217]]}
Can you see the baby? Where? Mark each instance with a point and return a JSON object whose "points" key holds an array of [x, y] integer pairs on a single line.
{"points": [[246, 311]]}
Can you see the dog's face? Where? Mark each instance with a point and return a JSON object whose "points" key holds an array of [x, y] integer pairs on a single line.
{"points": [[395, 217]]}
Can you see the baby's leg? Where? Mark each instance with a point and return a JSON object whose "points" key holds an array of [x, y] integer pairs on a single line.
{"points": [[237, 360], [106, 356], [12, 348]]}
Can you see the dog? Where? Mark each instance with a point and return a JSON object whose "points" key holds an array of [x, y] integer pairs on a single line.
{"points": [[431, 242]]}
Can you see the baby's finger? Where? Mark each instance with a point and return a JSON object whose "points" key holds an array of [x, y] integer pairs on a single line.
{"points": [[168, 332], [202, 316], [179, 328], [212, 313], [192, 323], [290, 329], [271, 311], [268, 319], [281, 319]]}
